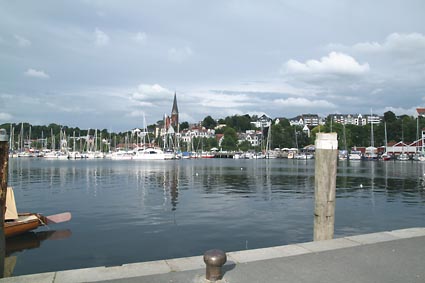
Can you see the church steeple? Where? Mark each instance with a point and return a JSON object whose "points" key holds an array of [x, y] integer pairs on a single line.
{"points": [[175, 114], [175, 110]]}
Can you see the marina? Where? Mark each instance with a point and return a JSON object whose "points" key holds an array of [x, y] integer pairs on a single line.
{"points": [[126, 212]]}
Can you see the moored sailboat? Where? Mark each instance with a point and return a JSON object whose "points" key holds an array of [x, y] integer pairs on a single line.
{"points": [[18, 223]]}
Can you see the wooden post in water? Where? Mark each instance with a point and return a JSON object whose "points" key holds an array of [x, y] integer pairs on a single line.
{"points": [[325, 185], [4, 158]]}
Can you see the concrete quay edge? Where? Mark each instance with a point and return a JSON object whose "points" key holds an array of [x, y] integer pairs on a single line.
{"points": [[196, 262]]}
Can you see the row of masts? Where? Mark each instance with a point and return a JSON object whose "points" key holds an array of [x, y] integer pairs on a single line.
{"points": [[23, 143]]}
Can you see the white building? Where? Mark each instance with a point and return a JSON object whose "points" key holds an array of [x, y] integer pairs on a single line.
{"points": [[355, 119], [262, 122]]}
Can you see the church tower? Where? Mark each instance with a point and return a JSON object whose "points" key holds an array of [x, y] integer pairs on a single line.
{"points": [[175, 115]]}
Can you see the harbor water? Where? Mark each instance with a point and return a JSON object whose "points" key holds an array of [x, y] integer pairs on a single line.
{"points": [[134, 211]]}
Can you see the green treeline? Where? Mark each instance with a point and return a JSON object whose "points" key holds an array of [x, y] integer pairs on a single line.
{"points": [[399, 128]]}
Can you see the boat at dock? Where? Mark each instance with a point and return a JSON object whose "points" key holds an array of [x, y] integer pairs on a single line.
{"points": [[355, 155], [24, 223], [149, 153], [19, 223]]}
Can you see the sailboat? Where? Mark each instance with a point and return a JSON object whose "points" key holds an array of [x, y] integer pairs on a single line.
{"points": [[51, 154], [150, 152], [385, 156], [420, 153], [371, 152], [403, 156], [343, 154], [18, 223], [270, 154]]}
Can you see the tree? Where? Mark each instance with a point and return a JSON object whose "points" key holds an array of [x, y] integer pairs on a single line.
{"points": [[245, 146], [209, 123], [239, 123], [211, 142], [184, 125], [277, 135], [284, 123], [230, 139], [389, 117]]}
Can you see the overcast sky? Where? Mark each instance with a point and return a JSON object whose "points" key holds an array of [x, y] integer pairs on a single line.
{"points": [[109, 64]]}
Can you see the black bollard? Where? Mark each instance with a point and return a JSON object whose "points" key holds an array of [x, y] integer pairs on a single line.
{"points": [[214, 259]]}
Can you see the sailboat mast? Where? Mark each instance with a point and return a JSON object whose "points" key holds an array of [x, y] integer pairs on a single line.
{"points": [[296, 139], [372, 143], [22, 138], [29, 139], [417, 133], [11, 139]]}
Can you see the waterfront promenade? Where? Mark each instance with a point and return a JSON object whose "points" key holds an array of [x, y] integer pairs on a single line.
{"points": [[393, 256]]}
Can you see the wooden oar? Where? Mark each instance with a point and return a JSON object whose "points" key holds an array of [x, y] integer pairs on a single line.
{"points": [[58, 218]]}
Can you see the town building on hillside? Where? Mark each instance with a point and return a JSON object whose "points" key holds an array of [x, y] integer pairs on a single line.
{"points": [[262, 122], [421, 111], [297, 121], [373, 119], [311, 120], [254, 137], [355, 119], [197, 131]]}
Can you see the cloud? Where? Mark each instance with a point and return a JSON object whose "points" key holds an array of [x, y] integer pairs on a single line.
{"points": [[150, 93], [405, 48], [179, 54], [36, 74], [335, 64], [376, 91], [395, 42], [140, 37], [136, 114], [215, 99], [303, 102], [5, 117], [22, 42], [101, 38]]}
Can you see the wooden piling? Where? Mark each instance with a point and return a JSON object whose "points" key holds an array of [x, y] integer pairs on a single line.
{"points": [[325, 185], [4, 158]]}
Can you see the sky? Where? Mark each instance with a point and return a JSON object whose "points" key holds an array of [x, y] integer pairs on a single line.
{"points": [[116, 64]]}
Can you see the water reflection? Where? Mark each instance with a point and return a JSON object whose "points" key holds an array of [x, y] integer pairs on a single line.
{"points": [[140, 211], [30, 240]]}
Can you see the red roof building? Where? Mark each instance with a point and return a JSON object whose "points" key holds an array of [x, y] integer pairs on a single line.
{"points": [[421, 111]]}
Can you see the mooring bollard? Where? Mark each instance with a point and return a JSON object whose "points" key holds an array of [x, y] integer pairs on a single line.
{"points": [[214, 259]]}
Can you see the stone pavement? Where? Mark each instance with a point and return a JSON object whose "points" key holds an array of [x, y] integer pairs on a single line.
{"points": [[394, 256]]}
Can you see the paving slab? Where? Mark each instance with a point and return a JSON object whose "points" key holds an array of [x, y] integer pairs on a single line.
{"points": [[115, 272], [47, 277], [372, 238], [408, 233], [253, 255], [186, 263], [329, 245], [291, 250]]}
